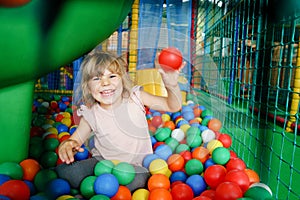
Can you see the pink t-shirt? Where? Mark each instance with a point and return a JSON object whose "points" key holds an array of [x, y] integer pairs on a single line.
{"points": [[120, 134]]}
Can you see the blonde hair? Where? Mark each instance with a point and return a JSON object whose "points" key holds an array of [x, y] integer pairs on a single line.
{"points": [[94, 64]]}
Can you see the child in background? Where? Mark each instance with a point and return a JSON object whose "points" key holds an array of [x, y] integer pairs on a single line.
{"points": [[113, 110]]}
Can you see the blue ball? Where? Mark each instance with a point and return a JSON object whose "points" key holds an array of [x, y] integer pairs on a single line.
{"points": [[209, 162], [197, 183], [4, 197], [201, 107], [62, 106], [148, 159], [106, 184], [175, 115], [156, 113], [62, 128], [188, 115], [4, 178], [186, 109], [58, 187], [31, 187], [163, 151], [181, 122], [82, 155], [178, 176], [153, 140], [203, 128]]}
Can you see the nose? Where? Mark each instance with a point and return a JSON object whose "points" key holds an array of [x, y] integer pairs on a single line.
{"points": [[105, 81]]}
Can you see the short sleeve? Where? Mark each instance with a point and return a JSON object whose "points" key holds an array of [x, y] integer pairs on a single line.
{"points": [[88, 115], [136, 97]]}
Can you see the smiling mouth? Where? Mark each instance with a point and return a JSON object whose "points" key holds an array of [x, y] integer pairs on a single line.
{"points": [[107, 93]]}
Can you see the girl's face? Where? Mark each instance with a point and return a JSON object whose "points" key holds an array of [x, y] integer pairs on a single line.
{"points": [[107, 89]]}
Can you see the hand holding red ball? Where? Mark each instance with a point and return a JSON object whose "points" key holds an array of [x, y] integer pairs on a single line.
{"points": [[170, 59]]}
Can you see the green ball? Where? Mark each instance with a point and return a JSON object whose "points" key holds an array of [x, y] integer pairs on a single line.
{"points": [[182, 147], [162, 134], [50, 144], [12, 169], [194, 140], [172, 143], [193, 130], [220, 155], [258, 192], [205, 121], [87, 186], [124, 172], [206, 113], [35, 150], [193, 166], [43, 177], [48, 159], [103, 167], [100, 197]]}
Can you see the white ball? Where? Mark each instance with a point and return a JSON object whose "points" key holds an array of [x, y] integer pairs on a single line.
{"points": [[208, 135], [178, 134]]}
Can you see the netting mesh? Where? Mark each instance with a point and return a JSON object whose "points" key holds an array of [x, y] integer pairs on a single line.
{"points": [[256, 53]]}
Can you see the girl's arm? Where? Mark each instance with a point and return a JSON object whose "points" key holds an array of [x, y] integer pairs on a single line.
{"points": [[68, 148]]}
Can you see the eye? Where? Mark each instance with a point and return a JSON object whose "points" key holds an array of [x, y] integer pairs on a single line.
{"points": [[96, 78], [113, 76]]}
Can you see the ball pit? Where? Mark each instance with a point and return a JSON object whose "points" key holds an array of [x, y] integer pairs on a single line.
{"points": [[181, 167]]}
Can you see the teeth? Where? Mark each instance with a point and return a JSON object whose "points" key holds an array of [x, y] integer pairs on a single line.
{"points": [[107, 92]]}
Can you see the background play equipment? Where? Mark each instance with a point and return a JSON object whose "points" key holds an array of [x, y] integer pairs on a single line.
{"points": [[37, 38]]}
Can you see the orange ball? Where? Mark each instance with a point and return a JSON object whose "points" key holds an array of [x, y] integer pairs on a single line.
{"points": [[214, 124], [160, 194], [253, 176], [197, 112], [30, 168], [158, 181], [200, 153], [123, 193], [175, 162], [169, 124]]}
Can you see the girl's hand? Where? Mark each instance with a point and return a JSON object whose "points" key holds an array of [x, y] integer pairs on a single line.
{"points": [[67, 149], [170, 78]]}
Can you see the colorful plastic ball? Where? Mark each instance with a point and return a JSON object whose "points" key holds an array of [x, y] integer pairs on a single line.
{"points": [[259, 191], [157, 144], [87, 186], [187, 155], [178, 134], [100, 197], [193, 166], [140, 194], [184, 126], [123, 193], [252, 175], [156, 121], [4, 178], [213, 144], [148, 159], [182, 191], [221, 155], [15, 189], [172, 143], [208, 135], [82, 155], [188, 115], [228, 191], [65, 197], [201, 198], [225, 139], [197, 183], [163, 151], [30, 168], [160, 194], [50, 144], [62, 128], [178, 176], [209, 162], [239, 177], [158, 166], [43, 177], [170, 59], [57, 187], [103, 167], [169, 124], [11, 169], [48, 159], [106, 184], [175, 162], [200, 153], [214, 124], [162, 133], [214, 175], [182, 147], [194, 140], [158, 181], [124, 172], [235, 163], [209, 193]]}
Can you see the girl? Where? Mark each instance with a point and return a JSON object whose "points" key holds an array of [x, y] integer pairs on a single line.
{"points": [[113, 110]]}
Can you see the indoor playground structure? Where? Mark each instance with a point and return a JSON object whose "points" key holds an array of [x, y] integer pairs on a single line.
{"points": [[236, 136]]}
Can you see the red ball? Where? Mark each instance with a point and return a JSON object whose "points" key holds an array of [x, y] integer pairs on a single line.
{"points": [[228, 191], [156, 121], [239, 177], [209, 193], [235, 163], [202, 198], [13, 3], [182, 191], [187, 155], [214, 175], [175, 162], [15, 189], [225, 139], [170, 59]]}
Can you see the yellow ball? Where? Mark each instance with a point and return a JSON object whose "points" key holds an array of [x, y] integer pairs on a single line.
{"points": [[66, 114], [52, 130], [213, 144], [165, 117], [184, 127], [140, 194], [66, 121], [158, 166], [60, 135], [65, 197], [50, 121], [115, 162]]}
